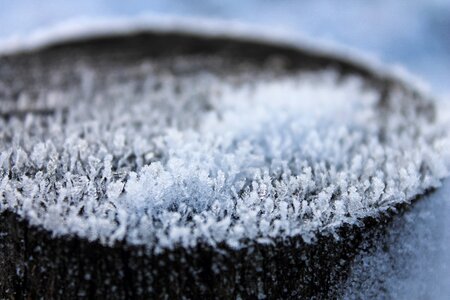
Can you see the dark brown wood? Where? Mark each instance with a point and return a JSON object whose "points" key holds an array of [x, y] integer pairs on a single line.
{"points": [[34, 264]]}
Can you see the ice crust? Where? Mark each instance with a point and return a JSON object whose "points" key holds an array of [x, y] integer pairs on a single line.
{"points": [[188, 159]]}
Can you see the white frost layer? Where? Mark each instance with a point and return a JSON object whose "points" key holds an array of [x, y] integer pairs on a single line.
{"points": [[279, 158]]}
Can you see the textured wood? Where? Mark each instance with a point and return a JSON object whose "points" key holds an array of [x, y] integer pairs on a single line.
{"points": [[34, 264]]}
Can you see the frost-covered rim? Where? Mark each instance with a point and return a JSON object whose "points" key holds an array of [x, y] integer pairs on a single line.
{"points": [[138, 186], [90, 28]]}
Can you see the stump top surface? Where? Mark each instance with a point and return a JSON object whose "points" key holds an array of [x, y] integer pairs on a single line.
{"points": [[166, 139]]}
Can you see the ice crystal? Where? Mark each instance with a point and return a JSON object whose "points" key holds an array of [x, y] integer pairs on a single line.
{"points": [[178, 160]]}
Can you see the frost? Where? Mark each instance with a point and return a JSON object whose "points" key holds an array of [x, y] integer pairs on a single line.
{"points": [[208, 158]]}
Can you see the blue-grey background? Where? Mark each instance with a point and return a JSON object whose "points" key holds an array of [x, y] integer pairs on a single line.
{"points": [[413, 33]]}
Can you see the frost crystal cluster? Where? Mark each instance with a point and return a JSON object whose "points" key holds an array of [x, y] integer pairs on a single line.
{"points": [[168, 160]]}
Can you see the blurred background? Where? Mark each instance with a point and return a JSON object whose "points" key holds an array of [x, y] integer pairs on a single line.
{"points": [[412, 33]]}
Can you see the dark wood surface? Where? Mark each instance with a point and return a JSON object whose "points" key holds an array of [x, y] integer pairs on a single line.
{"points": [[33, 265]]}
